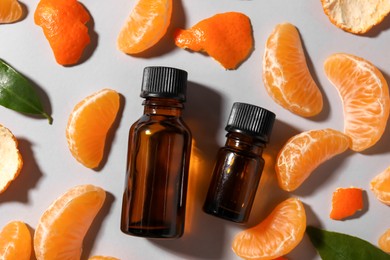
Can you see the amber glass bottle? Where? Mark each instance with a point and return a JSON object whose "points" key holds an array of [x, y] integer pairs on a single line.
{"points": [[239, 163], [154, 199]]}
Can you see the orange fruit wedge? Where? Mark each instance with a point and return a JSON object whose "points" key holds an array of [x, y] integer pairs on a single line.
{"points": [[365, 96], [380, 186], [11, 161], [356, 16], [304, 152], [278, 234], [15, 241], [147, 24], [384, 241], [346, 202], [286, 75], [226, 37], [62, 227], [89, 124], [99, 257], [63, 23], [10, 11]]}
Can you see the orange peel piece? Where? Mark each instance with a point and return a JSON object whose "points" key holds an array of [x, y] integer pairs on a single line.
{"points": [[63, 23], [286, 75], [226, 37], [356, 17], [11, 161], [10, 11], [346, 202]]}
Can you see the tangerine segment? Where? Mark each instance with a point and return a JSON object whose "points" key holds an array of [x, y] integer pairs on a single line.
{"points": [[384, 241], [380, 186], [11, 161], [62, 227], [365, 96], [305, 152], [346, 202], [63, 23], [356, 16], [15, 241], [286, 76], [10, 11], [146, 25], [278, 234], [226, 37], [89, 124]]}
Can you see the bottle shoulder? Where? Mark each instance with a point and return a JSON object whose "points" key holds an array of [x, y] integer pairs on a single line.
{"points": [[155, 123], [227, 151]]}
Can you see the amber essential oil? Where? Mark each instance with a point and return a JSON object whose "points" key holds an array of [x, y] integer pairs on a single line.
{"points": [[239, 163], [154, 200]]}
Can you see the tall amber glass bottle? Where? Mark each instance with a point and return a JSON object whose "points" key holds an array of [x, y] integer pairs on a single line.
{"points": [[154, 199], [239, 163]]}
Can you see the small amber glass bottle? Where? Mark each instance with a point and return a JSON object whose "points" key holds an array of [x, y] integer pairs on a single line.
{"points": [[154, 200], [239, 163]]}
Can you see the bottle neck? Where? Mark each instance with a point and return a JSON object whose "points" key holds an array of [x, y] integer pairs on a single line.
{"points": [[163, 106], [243, 142]]}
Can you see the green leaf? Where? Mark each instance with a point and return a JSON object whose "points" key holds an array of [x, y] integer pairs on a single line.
{"points": [[338, 246], [17, 93]]}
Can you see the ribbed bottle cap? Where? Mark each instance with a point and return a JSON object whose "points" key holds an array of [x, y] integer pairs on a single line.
{"points": [[253, 120], [164, 82]]}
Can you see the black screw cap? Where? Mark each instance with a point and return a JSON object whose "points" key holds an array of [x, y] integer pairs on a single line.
{"points": [[164, 82], [252, 120]]}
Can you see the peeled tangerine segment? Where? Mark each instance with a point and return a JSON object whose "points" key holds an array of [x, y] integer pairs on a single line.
{"points": [[384, 241], [356, 16], [380, 186], [304, 152], [286, 76], [11, 161], [89, 124], [10, 11], [147, 24], [226, 37], [346, 202], [15, 241], [279, 233], [62, 227], [365, 96]]}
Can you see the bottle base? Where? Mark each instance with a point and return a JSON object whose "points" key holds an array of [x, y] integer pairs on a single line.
{"points": [[226, 214], [154, 232]]}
